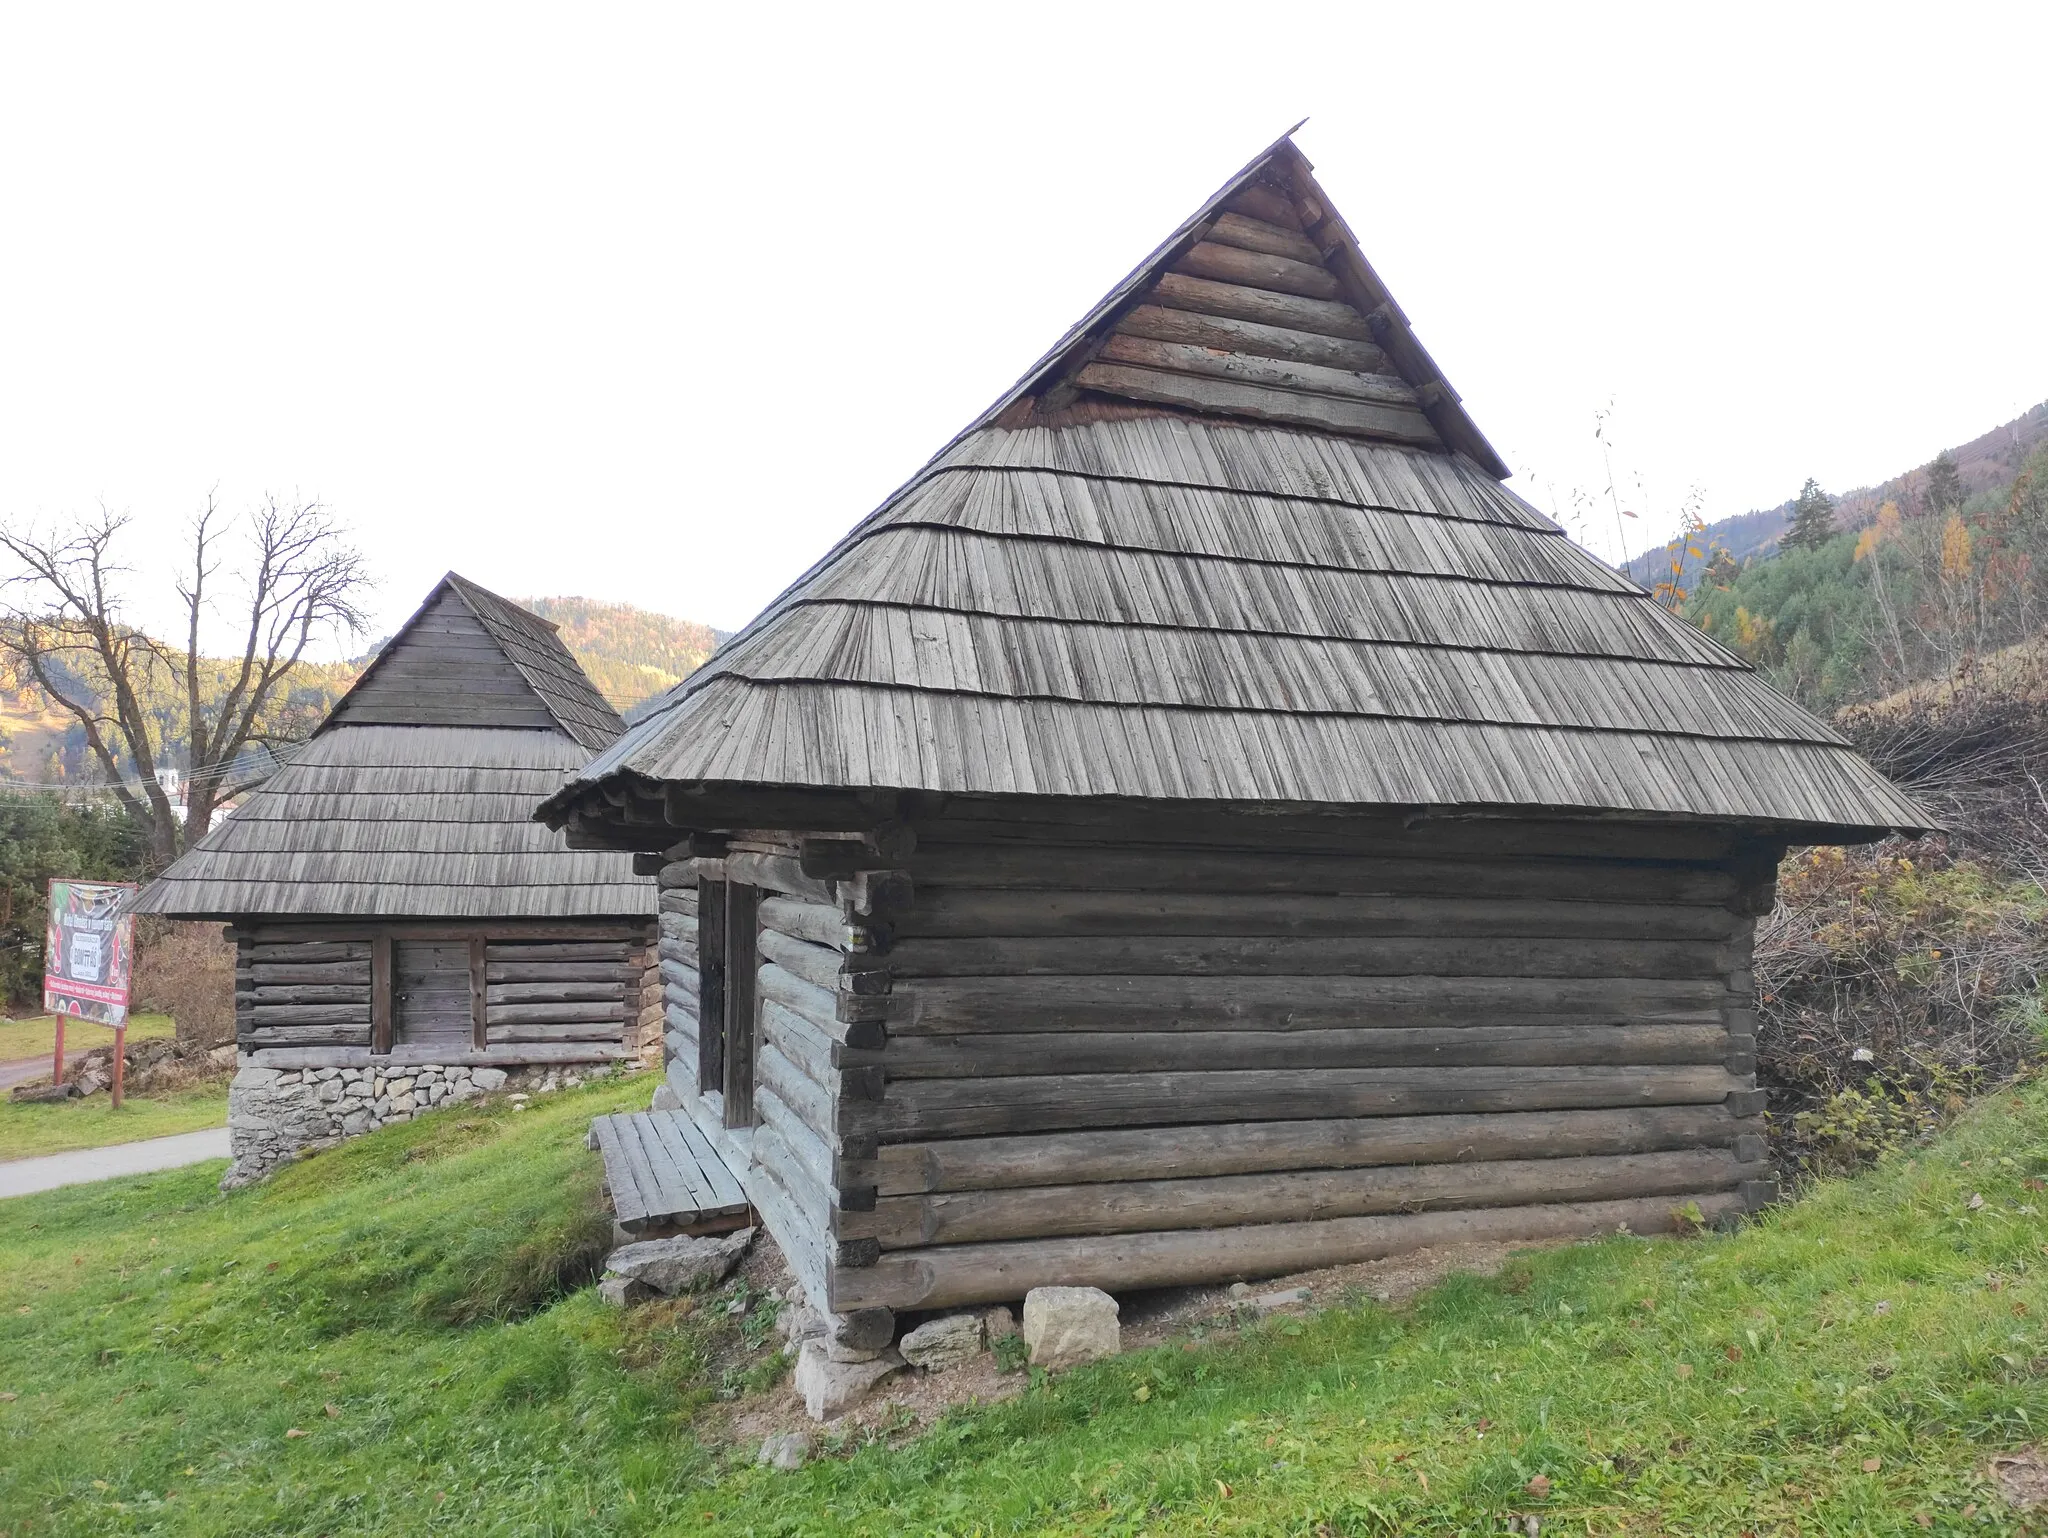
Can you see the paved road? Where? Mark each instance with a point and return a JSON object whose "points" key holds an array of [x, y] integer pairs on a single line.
{"points": [[19, 1070], [19, 1177]]}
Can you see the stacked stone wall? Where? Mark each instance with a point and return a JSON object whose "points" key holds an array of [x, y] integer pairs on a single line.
{"points": [[277, 1114]]}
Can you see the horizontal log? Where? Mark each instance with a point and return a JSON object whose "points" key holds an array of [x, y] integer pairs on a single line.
{"points": [[921, 1108], [329, 972], [800, 1236], [686, 1000], [1267, 204], [1235, 229], [513, 1014], [1167, 828], [357, 1013], [533, 1030], [1239, 301], [817, 965], [1295, 1196], [821, 1008], [311, 1035], [275, 952], [777, 873], [1064, 1158], [1249, 338], [1077, 868], [808, 1049], [966, 912], [1159, 1003], [558, 950], [357, 994], [556, 993], [554, 972], [681, 900], [801, 1139], [809, 1101], [1258, 269], [406, 1055], [1298, 956], [1281, 373], [683, 974], [951, 1275], [962, 1056], [1262, 403], [819, 923]]}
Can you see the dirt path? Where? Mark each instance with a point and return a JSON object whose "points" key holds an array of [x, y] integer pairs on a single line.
{"points": [[21, 1177]]}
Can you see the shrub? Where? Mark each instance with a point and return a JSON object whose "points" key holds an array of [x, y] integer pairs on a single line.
{"points": [[186, 971]]}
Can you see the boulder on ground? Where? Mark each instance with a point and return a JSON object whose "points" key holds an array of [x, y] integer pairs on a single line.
{"points": [[998, 1323], [832, 1388], [1065, 1326], [941, 1343], [624, 1291], [37, 1094], [223, 1057], [786, 1450], [676, 1266], [488, 1079], [860, 1336], [666, 1099]]}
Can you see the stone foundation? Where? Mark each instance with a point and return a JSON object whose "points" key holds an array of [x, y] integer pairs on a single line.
{"points": [[277, 1114]]}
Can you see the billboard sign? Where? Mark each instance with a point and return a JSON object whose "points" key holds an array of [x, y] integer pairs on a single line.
{"points": [[87, 951]]}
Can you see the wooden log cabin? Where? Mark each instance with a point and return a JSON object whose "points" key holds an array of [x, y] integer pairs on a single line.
{"points": [[1204, 825], [391, 900]]}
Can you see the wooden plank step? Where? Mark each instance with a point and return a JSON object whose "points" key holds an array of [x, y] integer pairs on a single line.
{"points": [[663, 1171]]}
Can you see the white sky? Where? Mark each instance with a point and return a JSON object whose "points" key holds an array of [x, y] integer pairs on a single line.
{"points": [[651, 303]]}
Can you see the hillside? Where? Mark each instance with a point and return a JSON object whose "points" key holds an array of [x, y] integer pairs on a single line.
{"points": [[632, 655], [1982, 464]]}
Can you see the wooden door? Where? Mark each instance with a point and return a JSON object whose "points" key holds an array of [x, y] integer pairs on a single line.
{"points": [[432, 994]]}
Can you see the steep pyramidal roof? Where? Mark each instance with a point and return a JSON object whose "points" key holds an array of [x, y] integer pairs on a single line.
{"points": [[1235, 539], [415, 797], [469, 658]]}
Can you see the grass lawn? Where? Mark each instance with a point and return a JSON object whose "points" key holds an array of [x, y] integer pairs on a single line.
{"points": [[37, 1037], [394, 1338], [29, 1130]]}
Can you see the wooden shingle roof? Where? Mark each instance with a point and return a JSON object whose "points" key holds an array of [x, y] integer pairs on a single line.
{"points": [[1207, 568], [415, 797]]}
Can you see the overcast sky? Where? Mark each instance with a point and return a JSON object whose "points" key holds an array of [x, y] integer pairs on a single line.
{"points": [[651, 303]]}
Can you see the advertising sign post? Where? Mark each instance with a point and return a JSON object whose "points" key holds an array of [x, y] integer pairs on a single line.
{"points": [[88, 949]]}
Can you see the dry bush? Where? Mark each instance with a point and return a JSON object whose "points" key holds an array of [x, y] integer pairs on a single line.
{"points": [[186, 971], [1895, 981]]}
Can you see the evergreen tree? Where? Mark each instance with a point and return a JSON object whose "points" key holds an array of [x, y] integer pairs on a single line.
{"points": [[1813, 519], [1944, 486]]}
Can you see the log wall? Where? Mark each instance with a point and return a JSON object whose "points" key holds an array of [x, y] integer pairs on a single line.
{"points": [[1051, 1057], [582, 993]]}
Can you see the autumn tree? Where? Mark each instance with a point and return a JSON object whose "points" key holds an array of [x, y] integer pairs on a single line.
{"points": [[144, 704], [1813, 519]]}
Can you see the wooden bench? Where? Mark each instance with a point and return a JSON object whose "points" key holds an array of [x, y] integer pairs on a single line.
{"points": [[665, 1177]]}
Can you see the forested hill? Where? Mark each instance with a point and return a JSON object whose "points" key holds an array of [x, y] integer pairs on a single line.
{"points": [[632, 655], [1982, 464]]}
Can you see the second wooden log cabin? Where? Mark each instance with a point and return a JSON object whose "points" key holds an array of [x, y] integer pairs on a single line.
{"points": [[393, 905], [1204, 826]]}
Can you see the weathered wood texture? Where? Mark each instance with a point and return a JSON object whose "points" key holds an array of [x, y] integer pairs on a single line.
{"points": [[454, 997], [1132, 1049]]}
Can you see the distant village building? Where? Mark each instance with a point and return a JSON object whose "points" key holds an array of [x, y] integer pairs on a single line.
{"points": [[1204, 826], [405, 932]]}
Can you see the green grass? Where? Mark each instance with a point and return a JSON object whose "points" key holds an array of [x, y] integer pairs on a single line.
{"points": [[27, 1131], [425, 1281], [37, 1037]]}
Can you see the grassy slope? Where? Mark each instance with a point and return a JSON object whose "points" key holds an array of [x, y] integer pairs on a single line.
{"points": [[164, 1340], [37, 1036], [27, 1131]]}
